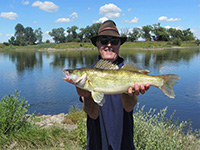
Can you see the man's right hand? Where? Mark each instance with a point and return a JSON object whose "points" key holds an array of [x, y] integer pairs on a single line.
{"points": [[83, 93]]}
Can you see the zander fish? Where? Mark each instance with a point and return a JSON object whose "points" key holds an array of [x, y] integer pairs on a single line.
{"points": [[107, 78]]}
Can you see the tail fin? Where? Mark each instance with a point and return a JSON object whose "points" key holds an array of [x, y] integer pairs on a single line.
{"points": [[169, 81]]}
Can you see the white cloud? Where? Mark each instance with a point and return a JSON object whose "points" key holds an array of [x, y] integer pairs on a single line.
{"points": [[1, 34], [129, 9], [177, 28], [9, 35], [25, 2], [110, 11], [164, 18], [167, 27], [46, 6], [63, 20], [47, 32], [74, 15], [134, 20], [9, 15], [101, 20]]}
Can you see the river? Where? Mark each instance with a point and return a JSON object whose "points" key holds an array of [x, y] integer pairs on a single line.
{"points": [[38, 75]]}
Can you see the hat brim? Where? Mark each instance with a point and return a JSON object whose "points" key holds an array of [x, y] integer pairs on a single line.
{"points": [[94, 39]]}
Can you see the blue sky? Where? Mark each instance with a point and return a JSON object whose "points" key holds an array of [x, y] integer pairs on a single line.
{"points": [[180, 14]]}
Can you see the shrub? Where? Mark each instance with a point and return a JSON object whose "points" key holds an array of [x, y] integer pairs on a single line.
{"points": [[153, 131], [177, 42], [12, 113]]}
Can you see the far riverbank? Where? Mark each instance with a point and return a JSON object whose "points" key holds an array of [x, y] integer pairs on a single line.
{"points": [[139, 45]]}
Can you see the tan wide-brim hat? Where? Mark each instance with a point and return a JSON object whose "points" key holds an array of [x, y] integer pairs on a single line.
{"points": [[108, 28]]}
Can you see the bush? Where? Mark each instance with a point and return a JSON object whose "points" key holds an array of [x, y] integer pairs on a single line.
{"points": [[12, 113], [177, 42], [153, 131], [6, 43]]}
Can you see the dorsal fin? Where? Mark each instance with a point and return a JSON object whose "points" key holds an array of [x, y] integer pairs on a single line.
{"points": [[132, 67], [104, 64]]}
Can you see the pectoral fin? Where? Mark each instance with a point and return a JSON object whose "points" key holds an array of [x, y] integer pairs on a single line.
{"points": [[98, 98]]}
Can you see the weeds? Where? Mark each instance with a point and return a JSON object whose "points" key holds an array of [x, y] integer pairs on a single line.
{"points": [[75, 115], [153, 131], [12, 113]]}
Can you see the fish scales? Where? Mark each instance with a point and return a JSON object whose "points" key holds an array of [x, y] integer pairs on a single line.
{"points": [[118, 81], [107, 78]]}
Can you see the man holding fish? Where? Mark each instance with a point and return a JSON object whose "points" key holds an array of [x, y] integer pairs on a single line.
{"points": [[109, 91]]}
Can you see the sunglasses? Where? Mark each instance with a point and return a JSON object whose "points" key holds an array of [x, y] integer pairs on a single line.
{"points": [[105, 41]]}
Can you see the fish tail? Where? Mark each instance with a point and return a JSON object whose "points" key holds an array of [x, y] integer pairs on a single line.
{"points": [[168, 81]]}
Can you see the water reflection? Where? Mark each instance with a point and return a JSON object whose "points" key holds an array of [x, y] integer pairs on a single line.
{"points": [[73, 59], [155, 59]]}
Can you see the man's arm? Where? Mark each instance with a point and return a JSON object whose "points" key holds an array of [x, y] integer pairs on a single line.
{"points": [[89, 106]]}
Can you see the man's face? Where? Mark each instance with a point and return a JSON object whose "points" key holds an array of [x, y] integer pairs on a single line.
{"points": [[108, 47]]}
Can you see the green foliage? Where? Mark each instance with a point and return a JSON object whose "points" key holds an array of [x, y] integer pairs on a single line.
{"points": [[197, 42], [75, 115], [58, 35], [12, 113], [177, 42], [154, 131], [82, 131]]}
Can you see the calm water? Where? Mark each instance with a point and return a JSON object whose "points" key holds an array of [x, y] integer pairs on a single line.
{"points": [[38, 75]]}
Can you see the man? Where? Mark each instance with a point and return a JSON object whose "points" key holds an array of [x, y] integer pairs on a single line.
{"points": [[110, 126]]}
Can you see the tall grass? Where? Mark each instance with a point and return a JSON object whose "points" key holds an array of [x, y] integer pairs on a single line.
{"points": [[155, 131]]}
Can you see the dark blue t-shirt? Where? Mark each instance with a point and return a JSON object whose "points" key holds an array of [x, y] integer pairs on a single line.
{"points": [[113, 129]]}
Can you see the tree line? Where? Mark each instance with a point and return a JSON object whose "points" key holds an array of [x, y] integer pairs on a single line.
{"points": [[28, 36]]}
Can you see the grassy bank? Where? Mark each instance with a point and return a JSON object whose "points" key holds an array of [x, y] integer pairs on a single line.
{"points": [[73, 45], [151, 130]]}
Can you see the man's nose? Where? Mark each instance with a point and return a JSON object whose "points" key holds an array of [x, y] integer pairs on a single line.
{"points": [[109, 44]]}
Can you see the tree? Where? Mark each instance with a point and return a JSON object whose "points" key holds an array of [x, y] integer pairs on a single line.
{"points": [[124, 32], [90, 31], [146, 32], [175, 34], [38, 34], [161, 33], [19, 33], [29, 36], [134, 35], [12, 41], [188, 35], [58, 35], [72, 31]]}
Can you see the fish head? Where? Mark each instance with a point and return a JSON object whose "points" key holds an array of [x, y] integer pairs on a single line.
{"points": [[76, 77]]}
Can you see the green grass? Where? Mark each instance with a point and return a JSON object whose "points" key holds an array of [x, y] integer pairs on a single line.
{"points": [[151, 130]]}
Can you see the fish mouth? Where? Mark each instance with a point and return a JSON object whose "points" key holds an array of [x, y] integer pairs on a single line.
{"points": [[67, 76], [66, 72], [70, 80]]}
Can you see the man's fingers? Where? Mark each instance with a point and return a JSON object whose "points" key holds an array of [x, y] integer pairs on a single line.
{"points": [[130, 91], [142, 89], [136, 89]]}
